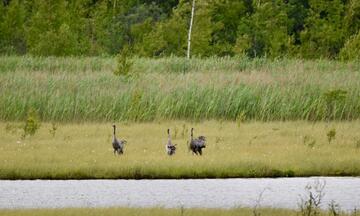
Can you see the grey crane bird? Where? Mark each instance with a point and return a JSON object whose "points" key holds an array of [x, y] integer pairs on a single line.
{"points": [[196, 145], [170, 148], [118, 145]]}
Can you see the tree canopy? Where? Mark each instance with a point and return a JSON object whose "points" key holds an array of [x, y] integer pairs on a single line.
{"points": [[255, 28]]}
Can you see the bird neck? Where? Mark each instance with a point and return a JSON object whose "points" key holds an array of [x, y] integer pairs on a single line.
{"points": [[114, 132], [169, 138]]}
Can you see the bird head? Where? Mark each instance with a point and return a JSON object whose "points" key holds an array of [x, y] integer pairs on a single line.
{"points": [[113, 125], [168, 131]]}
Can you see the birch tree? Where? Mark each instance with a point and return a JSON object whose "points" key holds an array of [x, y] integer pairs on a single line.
{"points": [[190, 28]]}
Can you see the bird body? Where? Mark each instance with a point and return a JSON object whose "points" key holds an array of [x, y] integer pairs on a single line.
{"points": [[118, 145], [170, 148], [196, 145]]}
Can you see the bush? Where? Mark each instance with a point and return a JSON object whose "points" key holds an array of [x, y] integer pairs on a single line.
{"points": [[331, 135], [124, 63], [351, 49], [32, 123]]}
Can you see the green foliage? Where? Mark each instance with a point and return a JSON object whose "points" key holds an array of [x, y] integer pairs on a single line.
{"points": [[203, 28], [226, 15], [357, 143], [352, 17], [55, 33], [32, 123], [265, 32], [124, 63], [324, 34], [272, 28], [169, 36], [12, 20], [241, 117], [351, 49]]}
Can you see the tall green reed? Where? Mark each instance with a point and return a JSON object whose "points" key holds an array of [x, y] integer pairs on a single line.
{"points": [[84, 89]]}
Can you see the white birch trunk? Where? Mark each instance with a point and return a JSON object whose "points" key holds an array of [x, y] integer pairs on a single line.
{"points": [[190, 28]]}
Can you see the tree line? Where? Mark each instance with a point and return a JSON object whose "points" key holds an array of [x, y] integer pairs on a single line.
{"points": [[306, 29]]}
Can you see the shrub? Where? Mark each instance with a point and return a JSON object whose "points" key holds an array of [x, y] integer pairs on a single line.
{"points": [[124, 63], [331, 135], [351, 49], [32, 123], [357, 144]]}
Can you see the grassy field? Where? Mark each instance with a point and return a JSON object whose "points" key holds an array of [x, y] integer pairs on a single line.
{"points": [[84, 89], [253, 149], [160, 212]]}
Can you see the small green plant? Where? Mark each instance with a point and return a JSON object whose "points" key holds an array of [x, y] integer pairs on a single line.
{"points": [[32, 124], [53, 129], [331, 135], [357, 143], [240, 118], [124, 63]]}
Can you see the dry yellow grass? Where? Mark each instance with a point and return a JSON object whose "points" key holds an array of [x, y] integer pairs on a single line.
{"points": [[233, 150]]}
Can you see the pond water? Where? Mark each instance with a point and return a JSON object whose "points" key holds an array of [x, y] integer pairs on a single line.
{"points": [[202, 193]]}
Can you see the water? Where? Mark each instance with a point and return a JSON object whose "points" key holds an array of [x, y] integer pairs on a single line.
{"points": [[203, 193]]}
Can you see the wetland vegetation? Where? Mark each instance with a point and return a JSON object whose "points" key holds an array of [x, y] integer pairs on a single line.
{"points": [[251, 149]]}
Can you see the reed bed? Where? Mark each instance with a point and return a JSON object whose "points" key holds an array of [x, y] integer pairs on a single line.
{"points": [[255, 149], [84, 89]]}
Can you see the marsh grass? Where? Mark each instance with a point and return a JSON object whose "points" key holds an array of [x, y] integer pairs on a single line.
{"points": [[84, 89], [274, 149]]}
